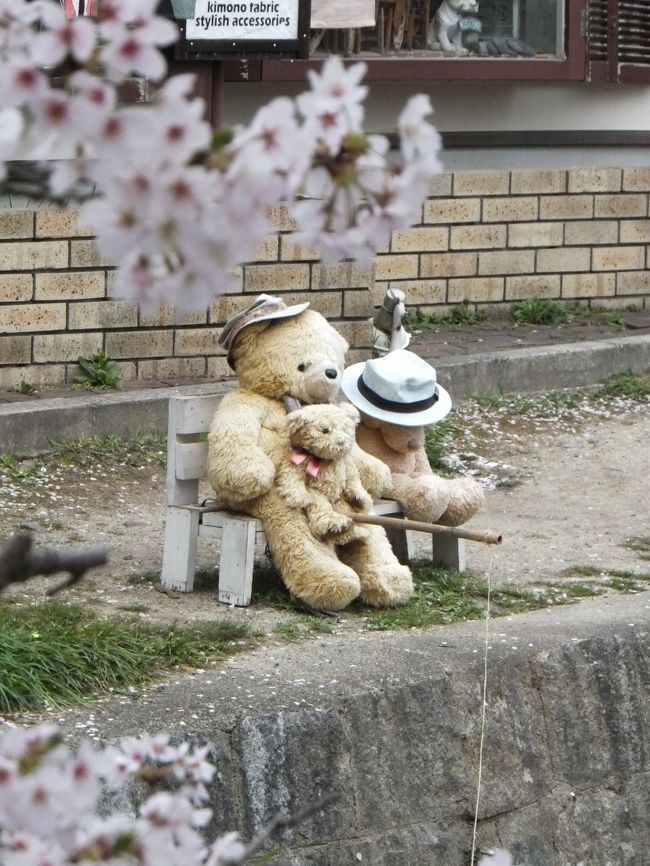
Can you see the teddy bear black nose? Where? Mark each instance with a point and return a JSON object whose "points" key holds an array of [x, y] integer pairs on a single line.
{"points": [[331, 373]]}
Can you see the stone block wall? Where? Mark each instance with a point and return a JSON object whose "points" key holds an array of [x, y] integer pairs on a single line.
{"points": [[487, 239]]}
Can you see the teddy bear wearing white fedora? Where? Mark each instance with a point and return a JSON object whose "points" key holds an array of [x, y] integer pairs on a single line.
{"points": [[398, 396]]}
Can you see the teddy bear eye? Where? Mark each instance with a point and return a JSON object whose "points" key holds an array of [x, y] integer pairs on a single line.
{"points": [[324, 429], [302, 368]]}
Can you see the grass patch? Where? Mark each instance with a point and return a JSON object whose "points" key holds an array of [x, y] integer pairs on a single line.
{"points": [[553, 404], [303, 628], [462, 314], [628, 385], [439, 441], [639, 544], [86, 453], [442, 596], [142, 447], [582, 571], [57, 654], [143, 577], [622, 584], [597, 314], [538, 311], [12, 469], [564, 592], [26, 388], [620, 579]]}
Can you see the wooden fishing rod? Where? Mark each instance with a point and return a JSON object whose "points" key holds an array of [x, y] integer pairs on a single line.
{"points": [[484, 536]]}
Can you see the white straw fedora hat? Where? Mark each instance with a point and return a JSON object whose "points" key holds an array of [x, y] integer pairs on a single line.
{"points": [[263, 308], [400, 388]]}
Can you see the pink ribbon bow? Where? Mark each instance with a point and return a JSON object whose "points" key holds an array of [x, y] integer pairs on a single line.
{"points": [[313, 463]]}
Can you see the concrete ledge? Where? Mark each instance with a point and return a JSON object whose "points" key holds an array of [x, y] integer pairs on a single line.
{"points": [[543, 368], [29, 427], [392, 723]]}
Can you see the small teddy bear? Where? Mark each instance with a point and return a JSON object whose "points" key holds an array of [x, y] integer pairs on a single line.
{"points": [[398, 396], [320, 475]]}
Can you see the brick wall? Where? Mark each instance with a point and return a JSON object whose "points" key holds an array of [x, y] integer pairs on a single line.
{"points": [[496, 237], [485, 238]]}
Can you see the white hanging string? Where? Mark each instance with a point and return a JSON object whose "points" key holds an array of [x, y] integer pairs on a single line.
{"points": [[484, 707]]}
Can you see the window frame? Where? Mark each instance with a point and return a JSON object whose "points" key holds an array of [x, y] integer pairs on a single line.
{"points": [[573, 67]]}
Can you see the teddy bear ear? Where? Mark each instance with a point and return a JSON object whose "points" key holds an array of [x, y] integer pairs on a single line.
{"points": [[295, 421], [343, 342], [352, 411]]}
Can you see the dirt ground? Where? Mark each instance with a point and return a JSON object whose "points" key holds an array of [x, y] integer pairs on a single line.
{"points": [[564, 491]]}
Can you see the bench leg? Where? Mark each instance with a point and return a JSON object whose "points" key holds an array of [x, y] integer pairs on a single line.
{"points": [[237, 558], [401, 541], [449, 552], [179, 551]]}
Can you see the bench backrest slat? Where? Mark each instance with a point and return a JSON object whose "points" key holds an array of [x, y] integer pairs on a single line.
{"points": [[186, 455], [191, 460], [193, 414]]}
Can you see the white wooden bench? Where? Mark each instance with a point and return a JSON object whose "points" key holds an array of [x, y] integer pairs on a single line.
{"points": [[240, 535]]}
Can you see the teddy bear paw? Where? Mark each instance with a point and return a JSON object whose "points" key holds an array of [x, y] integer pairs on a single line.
{"points": [[330, 525], [362, 501], [465, 498], [354, 534]]}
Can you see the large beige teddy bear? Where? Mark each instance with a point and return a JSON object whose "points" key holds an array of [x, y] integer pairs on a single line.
{"points": [[398, 396], [320, 475], [281, 352]]}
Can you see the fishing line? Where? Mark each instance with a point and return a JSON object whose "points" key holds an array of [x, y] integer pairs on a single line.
{"points": [[483, 711]]}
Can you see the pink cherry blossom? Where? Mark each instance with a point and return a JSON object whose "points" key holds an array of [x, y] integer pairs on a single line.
{"points": [[62, 36], [20, 82], [177, 219], [226, 850], [417, 137]]}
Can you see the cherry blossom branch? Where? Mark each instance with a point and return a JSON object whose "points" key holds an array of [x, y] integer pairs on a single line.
{"points": [[19, 562], [178, 207]]}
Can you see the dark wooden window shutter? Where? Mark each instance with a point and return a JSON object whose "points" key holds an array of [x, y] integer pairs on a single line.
{"points": [[618, 40]]}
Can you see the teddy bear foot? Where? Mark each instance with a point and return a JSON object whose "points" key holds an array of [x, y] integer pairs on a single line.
{"points": [[389, 589], [329, 591]]}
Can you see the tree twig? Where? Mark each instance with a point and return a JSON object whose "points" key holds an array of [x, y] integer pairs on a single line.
{"points": [[20, 562], [280, 822]]}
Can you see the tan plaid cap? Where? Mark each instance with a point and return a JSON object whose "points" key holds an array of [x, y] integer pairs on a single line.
{"points": [[263, 308]]}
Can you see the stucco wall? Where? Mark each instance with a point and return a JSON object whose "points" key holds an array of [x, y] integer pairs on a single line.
{"points": [[488, 238], [478, 105]]}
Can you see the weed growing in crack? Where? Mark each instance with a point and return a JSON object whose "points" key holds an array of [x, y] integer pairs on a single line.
{"points": [[98, 371], [628, 385], [461, 314], [538, 311]]}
